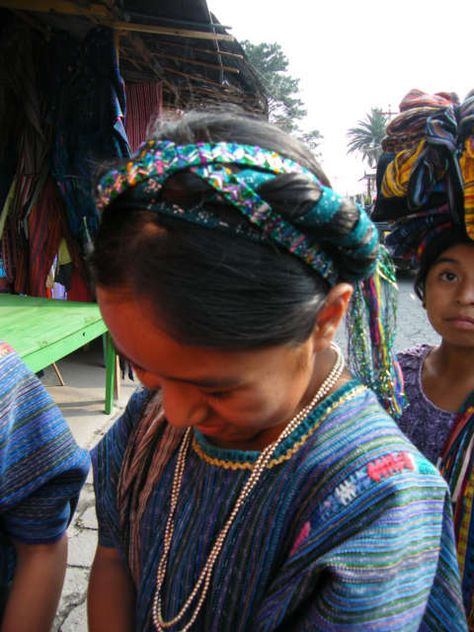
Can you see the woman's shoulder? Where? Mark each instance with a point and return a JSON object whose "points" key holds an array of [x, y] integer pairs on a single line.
{"points": [[360, 454], [356, 428], [117, 436], [359, 434], [412, 357], [354, 403]]}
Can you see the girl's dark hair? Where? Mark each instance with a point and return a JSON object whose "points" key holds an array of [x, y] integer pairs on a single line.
{"points": [[434, 249], [209, 288]]}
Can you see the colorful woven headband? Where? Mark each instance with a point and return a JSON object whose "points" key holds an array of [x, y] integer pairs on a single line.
{"points": [[236, 172], [156, 161]]}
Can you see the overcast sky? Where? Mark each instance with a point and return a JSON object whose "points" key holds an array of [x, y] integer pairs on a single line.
{"points": [[352, 55]]}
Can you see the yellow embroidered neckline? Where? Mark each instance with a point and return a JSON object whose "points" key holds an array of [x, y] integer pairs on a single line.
{"points": [[248, 465]]}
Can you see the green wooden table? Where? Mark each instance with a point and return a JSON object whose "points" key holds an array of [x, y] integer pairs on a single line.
{"points": [[42, 331]]}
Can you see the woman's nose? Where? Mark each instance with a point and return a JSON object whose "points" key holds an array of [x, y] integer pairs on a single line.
{"points": [[184, 404], [466, 292]]}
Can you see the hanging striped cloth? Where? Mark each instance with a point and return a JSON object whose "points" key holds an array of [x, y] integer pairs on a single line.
{"points": [[144, 106]]}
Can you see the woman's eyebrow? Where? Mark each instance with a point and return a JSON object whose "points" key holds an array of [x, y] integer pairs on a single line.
{"points": [[206, 382], [209, 382], [446, 260]]}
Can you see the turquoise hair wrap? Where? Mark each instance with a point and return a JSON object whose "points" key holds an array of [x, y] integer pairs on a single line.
{"points": [[236, 172]]}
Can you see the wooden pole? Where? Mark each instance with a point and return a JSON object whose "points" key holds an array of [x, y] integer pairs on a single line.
{"points": [[196, 62], [99, 11], [58, 374], [207, 51], [164, 30], [193, 77]]}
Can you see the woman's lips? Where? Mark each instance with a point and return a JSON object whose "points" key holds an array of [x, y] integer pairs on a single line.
{"points": [[209, 430], [462, 322]]}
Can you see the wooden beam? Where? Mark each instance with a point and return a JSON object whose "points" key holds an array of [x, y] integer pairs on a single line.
{"points": [[146, 18], [164, 30], [144, 54], [102, 13], [67, 7], [196, 62], [206, 51], [195, 78]]}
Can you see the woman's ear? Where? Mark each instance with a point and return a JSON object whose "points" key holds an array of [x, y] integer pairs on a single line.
{"points": [[331, 314]]}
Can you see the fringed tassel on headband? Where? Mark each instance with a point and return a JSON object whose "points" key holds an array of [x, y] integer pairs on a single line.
{"points": [[371, 328]]}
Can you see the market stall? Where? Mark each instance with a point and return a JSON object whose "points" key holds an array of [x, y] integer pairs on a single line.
{"points": [[79, 84]]}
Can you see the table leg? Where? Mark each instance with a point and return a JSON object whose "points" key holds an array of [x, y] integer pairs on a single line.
{"points": [[110, 368], [58, 374], [118, 379]]}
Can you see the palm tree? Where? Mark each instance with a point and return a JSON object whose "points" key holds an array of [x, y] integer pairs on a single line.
{"points": [[367, 137]]}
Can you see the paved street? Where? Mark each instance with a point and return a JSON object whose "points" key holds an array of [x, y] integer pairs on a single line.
{"points": [[413, 326], [82, 402]]}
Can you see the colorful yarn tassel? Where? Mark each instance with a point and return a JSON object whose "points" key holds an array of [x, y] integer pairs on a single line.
{"points": [[371, 328]]}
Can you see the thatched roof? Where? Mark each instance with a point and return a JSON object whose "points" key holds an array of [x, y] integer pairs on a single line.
{"points": [[176, 41]]}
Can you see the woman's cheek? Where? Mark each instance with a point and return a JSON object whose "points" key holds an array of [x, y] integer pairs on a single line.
{"points": [[149, 381], [245, 410]]}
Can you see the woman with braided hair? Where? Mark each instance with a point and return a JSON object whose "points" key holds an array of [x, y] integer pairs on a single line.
{"points": [[254, 483]]}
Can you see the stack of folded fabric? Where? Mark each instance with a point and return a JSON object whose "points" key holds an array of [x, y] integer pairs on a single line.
{"points": [[425, 177]]}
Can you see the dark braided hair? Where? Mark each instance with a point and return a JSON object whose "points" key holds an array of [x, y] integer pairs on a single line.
{"points": [[215, 289]]}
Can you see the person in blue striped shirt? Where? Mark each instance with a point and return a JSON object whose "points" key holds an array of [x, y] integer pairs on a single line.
{"points": [[42, 470]]}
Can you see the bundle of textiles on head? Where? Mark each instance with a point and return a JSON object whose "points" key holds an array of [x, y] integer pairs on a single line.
{"points": [[236, 172], [425, 178]]}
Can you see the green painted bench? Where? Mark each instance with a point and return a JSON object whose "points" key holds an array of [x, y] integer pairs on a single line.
{"points": [[42, 331]]}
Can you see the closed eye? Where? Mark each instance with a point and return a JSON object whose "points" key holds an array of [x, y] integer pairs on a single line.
{"points": [[218, 394]]}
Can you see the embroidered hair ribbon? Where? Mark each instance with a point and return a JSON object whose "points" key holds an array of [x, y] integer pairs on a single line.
{"points": [[236, 172]]}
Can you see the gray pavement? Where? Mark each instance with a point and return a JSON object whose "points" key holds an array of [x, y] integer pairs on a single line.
{"points": [[413, 325], [82, 400]]}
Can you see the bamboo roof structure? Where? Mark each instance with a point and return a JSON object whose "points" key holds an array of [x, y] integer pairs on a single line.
{"points": [[178, 42]]}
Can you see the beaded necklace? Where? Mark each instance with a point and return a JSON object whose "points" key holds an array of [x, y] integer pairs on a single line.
{"points": [[201, 587]]}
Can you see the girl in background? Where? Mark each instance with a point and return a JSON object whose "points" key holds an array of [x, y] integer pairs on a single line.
{"points": [[439, 379]]}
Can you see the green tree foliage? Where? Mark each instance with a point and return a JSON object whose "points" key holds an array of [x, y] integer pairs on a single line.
{"points": [[286, 109], [311, 139], [366, 138]]}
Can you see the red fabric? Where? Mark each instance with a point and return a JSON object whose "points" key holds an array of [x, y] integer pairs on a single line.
{"points": [[47, 225], [79, 290], [44, 236], [144, 106], [417, 99]]}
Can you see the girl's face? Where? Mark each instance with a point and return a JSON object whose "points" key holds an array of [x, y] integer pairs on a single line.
{"points": [[239, 399], [449, 295]]}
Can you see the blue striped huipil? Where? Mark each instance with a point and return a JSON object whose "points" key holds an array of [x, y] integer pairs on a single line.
{"points": [[349, 528], [41, 467]]}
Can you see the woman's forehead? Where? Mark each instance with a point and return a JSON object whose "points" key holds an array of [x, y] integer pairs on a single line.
{"points": [[139, 336], [458, 254]]}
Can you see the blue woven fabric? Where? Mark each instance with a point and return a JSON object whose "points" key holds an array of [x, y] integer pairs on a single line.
{"points": [[350, 528], [42, 469]]}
